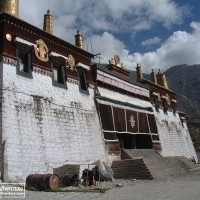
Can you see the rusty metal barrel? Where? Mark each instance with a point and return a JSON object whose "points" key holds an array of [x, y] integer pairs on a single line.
{"points": [[43, 181]]}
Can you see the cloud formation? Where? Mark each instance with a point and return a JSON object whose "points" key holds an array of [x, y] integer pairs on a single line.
{"points": [[151, 41], [104, 15], [180, 48], [101, 21]]}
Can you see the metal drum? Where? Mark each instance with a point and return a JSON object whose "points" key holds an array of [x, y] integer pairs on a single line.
{"points": [[43, 181]]}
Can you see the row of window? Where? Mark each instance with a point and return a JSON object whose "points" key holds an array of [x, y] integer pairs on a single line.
{"points": [[25, 68], [164, 102]]}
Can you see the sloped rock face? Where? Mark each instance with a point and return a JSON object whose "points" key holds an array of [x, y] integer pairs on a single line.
{"points": [[185, 81]]}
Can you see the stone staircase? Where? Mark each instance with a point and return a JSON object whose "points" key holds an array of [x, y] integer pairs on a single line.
{"points": [[131, 169], [162, 167]]}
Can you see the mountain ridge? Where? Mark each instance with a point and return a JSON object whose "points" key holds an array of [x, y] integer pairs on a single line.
{"points": [[184, 80]]}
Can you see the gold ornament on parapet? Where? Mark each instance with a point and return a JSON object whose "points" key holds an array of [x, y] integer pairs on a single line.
{"points": [[116, 61], [71, 62], [41, 50], [8, 37]]}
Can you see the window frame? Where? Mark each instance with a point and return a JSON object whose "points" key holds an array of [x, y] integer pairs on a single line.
{"points": [[82, 71], [27, 67], [58, 66]]}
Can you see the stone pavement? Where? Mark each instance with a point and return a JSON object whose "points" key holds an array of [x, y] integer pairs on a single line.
{"points": [[139, 190], [182, 187]]}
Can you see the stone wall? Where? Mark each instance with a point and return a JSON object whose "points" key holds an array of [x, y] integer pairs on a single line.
{"points": [[1, 98], [45, 127], [174, 135]]}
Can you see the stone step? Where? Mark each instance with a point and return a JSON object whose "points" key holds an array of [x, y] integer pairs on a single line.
{"points": [[162, 167], [143, 153], [129, 164], [134, 176], [131, 169], [127, 169], [130, 173]]}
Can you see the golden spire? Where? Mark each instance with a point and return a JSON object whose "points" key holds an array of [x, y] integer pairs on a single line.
{"points": [[165, 84], [139, 73], [48, 22], [10, 7], [162, 80], [79, 40], [153, 77]]}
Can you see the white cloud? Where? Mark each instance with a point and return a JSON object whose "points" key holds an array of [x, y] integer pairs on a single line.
{"points": [[180, 48], [107, 45], [151, 41], [100, 20], [104, 15]]}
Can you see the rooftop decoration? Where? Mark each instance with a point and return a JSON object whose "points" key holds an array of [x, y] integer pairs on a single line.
{"points": [[116, 61], [117, 67]]}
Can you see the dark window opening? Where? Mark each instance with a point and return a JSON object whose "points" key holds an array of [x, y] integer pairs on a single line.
{"points": [[24, 62], [59, 74], [138, 141], [82, 78], [164, 102], [83, 82], [173, 107], [155, 101]]}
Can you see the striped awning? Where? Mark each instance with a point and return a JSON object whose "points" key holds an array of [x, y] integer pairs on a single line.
{"points": [[123, 114]]}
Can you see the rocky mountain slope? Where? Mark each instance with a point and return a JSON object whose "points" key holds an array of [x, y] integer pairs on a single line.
{"points": [[185, 81]]}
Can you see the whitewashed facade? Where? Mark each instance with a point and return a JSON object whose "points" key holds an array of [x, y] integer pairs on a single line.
{"points": [[44, 127], [174, 135]]}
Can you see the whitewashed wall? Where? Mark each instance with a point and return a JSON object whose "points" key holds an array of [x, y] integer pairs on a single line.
{"points": [[174, 136], [45, 127]]}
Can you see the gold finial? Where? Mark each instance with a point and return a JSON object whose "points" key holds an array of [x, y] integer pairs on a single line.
{"points": [[153, 77], [10, 7], [79, 40], [139, 73], [48, 22], [162, 80]]}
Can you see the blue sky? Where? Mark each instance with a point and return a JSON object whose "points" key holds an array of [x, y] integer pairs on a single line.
{"points": [[154, 33]]}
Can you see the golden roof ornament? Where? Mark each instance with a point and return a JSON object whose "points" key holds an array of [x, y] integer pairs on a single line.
{"points": [[48, 22], [10, 7], [116, 61], [79, 40]]}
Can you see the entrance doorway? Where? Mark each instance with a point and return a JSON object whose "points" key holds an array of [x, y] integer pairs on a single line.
{"points": [[138, 141]]}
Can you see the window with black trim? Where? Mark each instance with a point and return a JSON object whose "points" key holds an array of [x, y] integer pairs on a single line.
{"points": [[156, 100], [24, 66], [82, 78], [165, 107], [173, 104], [59, 73]]}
